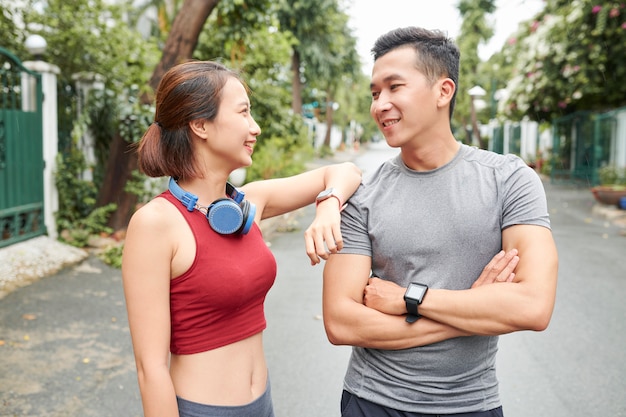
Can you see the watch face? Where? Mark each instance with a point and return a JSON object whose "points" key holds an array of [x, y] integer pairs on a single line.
{"points": [[324, 194], [416, 292]]}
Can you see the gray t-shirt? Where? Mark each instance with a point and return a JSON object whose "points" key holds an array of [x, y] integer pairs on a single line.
{"points": [[439, 228]]}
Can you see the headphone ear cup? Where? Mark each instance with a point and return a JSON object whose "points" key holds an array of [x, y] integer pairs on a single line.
{"points": [[225, 216], [249, 212]]}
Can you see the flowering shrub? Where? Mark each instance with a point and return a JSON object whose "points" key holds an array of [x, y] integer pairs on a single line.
{"points": [[570, 58]]}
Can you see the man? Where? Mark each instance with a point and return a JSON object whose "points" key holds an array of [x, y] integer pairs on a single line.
{"points": [[417, 234]]}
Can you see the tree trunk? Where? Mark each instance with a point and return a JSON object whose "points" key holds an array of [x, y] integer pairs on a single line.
{"points": [[180, 44], [121, 163], [480, 141], [468, 132], [296, 85], [183, 38], [329, 119]]}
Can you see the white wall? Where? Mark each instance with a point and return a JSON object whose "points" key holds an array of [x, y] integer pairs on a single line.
{"points": [[49, 74], [317, 133]]}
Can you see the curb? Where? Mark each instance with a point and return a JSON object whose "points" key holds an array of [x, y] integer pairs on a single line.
{"points": [[25, 262], [612, 214]]}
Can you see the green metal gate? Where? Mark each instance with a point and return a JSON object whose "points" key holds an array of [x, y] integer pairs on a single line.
{"points": [[21, 152], [581, 145]]}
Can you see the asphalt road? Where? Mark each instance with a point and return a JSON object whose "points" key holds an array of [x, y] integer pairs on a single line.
{"points": [[65, 348], [577, 366]]}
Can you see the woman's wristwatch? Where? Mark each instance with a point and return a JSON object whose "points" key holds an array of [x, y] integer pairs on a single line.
{"points": [[325, 195]]}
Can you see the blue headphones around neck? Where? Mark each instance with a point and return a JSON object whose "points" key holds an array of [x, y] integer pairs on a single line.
{"points": [[225, 215]]}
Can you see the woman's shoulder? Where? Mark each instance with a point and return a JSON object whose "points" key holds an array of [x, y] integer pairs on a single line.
{"points": [[158, 213]]}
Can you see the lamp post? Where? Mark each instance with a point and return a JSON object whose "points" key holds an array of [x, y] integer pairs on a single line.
{"points": [[476, 93], [36, 45]]}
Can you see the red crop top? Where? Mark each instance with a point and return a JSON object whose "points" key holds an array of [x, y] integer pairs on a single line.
{"points": [[219, 299]]}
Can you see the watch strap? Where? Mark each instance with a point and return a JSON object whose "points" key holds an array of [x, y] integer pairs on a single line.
{"points": [[318, 201], [410, 318], [411, 308]]}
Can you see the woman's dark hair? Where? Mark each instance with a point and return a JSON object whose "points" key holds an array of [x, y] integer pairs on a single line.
{"points": [[436, 55], [188, 91]]}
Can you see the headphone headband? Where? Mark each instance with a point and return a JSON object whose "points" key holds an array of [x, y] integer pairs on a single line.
{"points": [[190, 200], [234, 193], [230, 215]]}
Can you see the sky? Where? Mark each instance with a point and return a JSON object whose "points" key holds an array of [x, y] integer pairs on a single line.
{"points": [[372, 18]]}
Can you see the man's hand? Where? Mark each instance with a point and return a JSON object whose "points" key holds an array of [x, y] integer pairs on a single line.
{"points": [[384, 296], [499, 269]]}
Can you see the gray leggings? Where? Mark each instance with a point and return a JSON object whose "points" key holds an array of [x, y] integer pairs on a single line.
{"points": [[261, 407]]}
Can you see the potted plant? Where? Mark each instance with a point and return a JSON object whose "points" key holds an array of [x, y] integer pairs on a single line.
{"points": [[612, 185]]}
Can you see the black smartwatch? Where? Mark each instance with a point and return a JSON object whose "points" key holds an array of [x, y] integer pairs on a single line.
{"points": [[413, 297]]}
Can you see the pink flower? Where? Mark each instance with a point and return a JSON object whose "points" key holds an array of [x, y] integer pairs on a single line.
{"points": [[534, 26], [596, 9], [624, 25], [614, 12], [562, 104], [512, 41]]}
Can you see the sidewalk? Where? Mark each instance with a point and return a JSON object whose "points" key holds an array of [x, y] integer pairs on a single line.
{"points": [[26, 262], [586, 208]]}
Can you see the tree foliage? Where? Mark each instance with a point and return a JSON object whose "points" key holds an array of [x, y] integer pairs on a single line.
{"points": [[306, 21], [11, 37], [324, 51], [248, 40], [569, 58], [156, 15], [91, 36], [103, 37], [474, 30]]}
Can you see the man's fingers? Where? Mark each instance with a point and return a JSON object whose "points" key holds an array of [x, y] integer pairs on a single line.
{"points": [[493, 263], [499, 269], [505, 274]]}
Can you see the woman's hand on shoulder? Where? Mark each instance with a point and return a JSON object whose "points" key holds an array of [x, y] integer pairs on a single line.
{"points": [[323, 236], [282, 195]]}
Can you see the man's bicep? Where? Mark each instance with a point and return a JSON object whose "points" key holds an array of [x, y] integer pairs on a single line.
{"points": [[346, 275], [345, 278], [536, 247], [537, 269]]}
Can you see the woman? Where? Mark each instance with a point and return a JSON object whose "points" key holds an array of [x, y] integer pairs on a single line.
{"points": [[196, 269]]}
